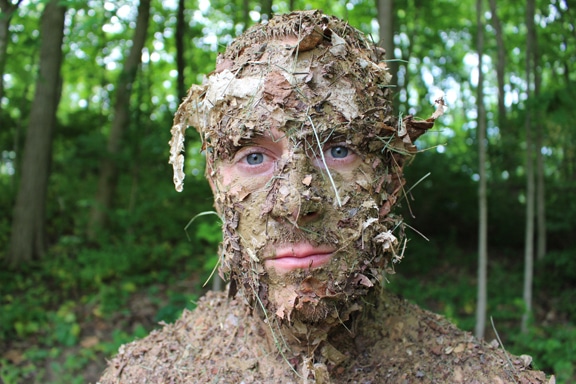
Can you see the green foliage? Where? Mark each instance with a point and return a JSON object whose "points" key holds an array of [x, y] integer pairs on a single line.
{"points": [[54, 300], [556, 276], [553, 349]]}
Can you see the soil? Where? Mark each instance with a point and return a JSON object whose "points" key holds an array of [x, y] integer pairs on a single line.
{"points": [[223, 341]]}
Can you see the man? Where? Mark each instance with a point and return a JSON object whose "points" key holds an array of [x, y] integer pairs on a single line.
{"points": [[305, 158]]}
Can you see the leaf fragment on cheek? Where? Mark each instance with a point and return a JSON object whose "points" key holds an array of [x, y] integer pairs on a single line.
{"points": [[252, 255], [307, 180]]}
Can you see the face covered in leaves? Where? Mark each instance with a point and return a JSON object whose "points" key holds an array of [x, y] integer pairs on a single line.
{"points": [[304, 231], [305, 159]]}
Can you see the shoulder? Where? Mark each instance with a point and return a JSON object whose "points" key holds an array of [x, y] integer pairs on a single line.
{"points": [[189, 350], [419, 345]]}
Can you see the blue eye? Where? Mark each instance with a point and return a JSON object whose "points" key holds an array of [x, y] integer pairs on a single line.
{"points": [[255, 158], [339, 152]]}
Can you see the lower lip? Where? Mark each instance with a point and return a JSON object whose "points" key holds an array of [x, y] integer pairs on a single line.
{"points": [[288, 264]]}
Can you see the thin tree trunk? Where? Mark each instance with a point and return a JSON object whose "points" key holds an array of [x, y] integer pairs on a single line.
{"points": [[482, 201], [266, 12], [386, 22], [402, 87], [107, 182], [500, 64], [180, 63], [245, 14], [540, 182], [28, 238], [529, 234], [8, 10]]}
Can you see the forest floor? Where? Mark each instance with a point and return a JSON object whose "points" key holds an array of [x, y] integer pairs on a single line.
{"points": [[80, 337]]}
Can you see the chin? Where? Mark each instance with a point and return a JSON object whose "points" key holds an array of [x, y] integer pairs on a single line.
{"points": [[315, 312]]}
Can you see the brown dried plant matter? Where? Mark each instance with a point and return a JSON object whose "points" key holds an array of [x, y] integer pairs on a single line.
{"points": [[395, 342], [306, 79]]}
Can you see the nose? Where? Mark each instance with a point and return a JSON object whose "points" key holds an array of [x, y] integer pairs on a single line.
{"points": [[295, 197]]}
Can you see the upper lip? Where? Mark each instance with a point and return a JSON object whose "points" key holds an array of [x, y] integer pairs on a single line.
{"points": [[301, 250]]}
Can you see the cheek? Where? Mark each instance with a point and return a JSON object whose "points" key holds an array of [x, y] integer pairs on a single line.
{"points": [[226, 175], [358, 179], [232, 178]]}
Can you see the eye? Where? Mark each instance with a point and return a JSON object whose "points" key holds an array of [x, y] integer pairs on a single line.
{"points": [[337, 156], [339, 152], [255, 158]]}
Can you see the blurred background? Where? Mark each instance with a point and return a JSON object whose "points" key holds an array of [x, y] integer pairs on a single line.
{"points": [[97, 248]]}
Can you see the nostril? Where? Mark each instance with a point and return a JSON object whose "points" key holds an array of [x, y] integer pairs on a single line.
{"points": [[308, 216]]}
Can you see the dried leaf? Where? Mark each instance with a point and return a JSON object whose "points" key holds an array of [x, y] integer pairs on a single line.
{"points": [[460, 348], [14, 355], [338, 46], [363, 280], [441, 108], [369, 222], [89, 341]]}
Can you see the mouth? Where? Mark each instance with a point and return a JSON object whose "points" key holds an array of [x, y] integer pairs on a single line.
{"points": [[299, 256]]}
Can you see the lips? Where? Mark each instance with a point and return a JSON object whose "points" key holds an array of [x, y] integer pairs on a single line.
{"points": [[299, 256]]}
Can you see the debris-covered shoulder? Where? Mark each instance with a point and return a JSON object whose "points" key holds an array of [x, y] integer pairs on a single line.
{"points": [[422, 346], [182, 351]]}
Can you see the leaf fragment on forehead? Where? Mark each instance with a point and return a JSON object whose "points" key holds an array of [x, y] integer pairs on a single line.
{"points": [[369, 204], [369, 222], [387, 239], [338, 46]]}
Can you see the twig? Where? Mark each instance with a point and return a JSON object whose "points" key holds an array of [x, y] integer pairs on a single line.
{"points": [[324, 161], [197, 216], [418, 232], [503, 349]]}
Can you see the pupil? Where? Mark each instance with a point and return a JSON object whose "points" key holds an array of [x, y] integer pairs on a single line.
{"points": [[339, 152], [255, 158]]}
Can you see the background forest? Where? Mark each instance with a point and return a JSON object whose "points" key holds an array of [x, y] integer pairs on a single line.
{"points": [[97, 247]]}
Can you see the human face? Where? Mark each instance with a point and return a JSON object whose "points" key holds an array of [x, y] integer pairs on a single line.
{"points": [[301, 210], [255, 165]]}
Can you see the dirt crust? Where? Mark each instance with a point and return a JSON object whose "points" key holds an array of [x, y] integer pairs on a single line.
{"points": [[221, 341]]}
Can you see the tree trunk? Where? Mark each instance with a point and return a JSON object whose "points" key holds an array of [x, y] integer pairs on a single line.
{"points": [[386, 22], [8, 10], [180, 63], [529, 234], [540, 182], [107, 182], [266, 12], [245, 14], [500, 64], [403, 65], [28, 240], [482, 203]]}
